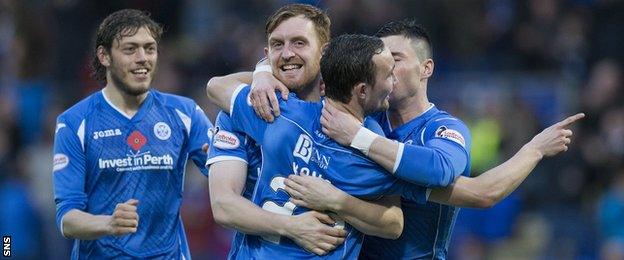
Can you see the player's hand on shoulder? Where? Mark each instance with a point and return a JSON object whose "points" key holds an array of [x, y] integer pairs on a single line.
{"points": [[125, 219], [339, 125], [263, 97], [313, 231], [556, 138]]}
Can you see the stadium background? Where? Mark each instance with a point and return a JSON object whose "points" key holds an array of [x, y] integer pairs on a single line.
{"points": [[507, 68]]}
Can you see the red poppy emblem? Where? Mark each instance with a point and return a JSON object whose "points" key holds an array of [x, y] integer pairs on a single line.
{"points": [[136, 140]]}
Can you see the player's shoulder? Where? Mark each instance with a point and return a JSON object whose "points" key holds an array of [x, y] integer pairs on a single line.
{"points": [[174, 101], [444, 125], [300, 110], [223, 120], [80, 111], [442, 117]]}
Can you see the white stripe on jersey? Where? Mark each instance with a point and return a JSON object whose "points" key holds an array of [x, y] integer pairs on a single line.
{"points": [[186, 120], [81, 134]]}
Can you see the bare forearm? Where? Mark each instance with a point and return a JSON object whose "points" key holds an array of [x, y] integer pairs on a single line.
{"points": [[220, 89], [382, 219], [78, 224], [384, 152], [236, 212], [493, 185]]}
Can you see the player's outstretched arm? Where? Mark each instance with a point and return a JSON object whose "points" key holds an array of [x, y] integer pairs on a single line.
{"points": [[497, 183], [81, 225], [435, 166], [310, 230], [221, 89], [382, 218]]}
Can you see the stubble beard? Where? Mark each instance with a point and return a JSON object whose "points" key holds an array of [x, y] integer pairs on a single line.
{"points": [[125, 88]]}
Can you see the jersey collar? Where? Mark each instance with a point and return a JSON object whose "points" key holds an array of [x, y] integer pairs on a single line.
{"points": [[407, 128], [144, 106]]}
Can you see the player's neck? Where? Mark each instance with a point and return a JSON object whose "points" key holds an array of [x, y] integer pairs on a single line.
{"points": [[407, 109], [128, 104], [348, 108], [311, 93]]}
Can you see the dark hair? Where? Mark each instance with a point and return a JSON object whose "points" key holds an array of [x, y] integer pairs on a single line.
{"points": [[408, 28], [117, 25], [347, 61], [317, 16]]}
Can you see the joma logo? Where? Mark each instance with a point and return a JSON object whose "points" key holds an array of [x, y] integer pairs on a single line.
{"points": [[106, 133]]}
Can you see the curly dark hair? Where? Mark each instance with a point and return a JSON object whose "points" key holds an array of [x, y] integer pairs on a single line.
{"points": [[117, 25]]}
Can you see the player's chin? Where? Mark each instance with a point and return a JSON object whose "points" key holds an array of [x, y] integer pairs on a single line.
{"points": [[384, 105], [139, 88]]}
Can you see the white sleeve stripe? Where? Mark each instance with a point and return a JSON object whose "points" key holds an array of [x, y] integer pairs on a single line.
{"points": [[58, 127], [186, 120], [427, 193], [224, 158], [234, 95], [81, 134], [445, 118], [399, 155]]}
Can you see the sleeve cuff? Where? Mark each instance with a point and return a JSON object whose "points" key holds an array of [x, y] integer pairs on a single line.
{"points": [[224, 158], [399, 156]]}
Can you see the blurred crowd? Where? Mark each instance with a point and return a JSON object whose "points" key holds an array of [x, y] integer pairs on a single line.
{"points": [[508, 68]]}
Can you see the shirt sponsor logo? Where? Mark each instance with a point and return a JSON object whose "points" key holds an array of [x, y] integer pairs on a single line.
{"points": [[450, 134], [136, 162], [225, 140], [60, 161], [162, 131], [106, 133], [305, 150]]}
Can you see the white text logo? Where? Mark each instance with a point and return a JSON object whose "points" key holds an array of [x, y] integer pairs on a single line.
{"points": [[106, 133]]}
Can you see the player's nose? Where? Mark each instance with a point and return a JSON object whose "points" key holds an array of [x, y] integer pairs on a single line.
{"points": [[141, 56], [287, 52]]}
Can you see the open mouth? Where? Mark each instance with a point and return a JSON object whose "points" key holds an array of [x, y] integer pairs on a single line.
{"points": [[140, 72], [290, 67]]}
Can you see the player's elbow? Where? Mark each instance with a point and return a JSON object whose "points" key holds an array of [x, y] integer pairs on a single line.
{"points": [[486, 200], [393, 229], [221, 213], [212, 88]]}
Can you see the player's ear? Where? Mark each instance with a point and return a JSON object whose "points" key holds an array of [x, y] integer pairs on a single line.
{"points": [[324, 47], [266, 52], [360, 90], [103, 56], [428, 67], [322, 87]]}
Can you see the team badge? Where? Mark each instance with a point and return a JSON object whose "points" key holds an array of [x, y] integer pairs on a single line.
{"points": [[162, 131], [450, 134]]}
